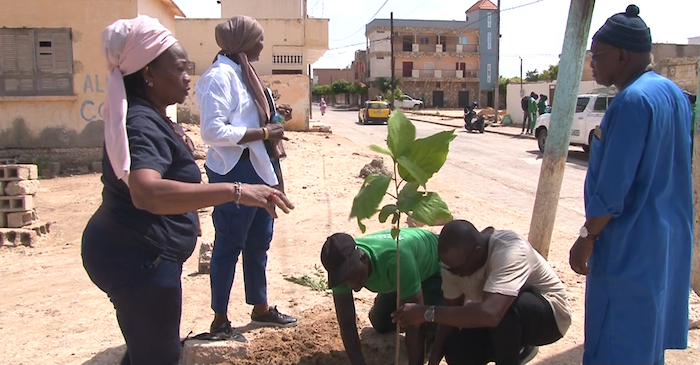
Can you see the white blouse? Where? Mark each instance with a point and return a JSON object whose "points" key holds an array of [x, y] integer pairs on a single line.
{"points": [[227, 110]]}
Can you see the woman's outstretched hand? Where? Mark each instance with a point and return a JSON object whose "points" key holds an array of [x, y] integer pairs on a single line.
{"points": [[263, 196]]}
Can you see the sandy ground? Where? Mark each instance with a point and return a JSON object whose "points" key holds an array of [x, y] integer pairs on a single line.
{"points": [[50, 312]]}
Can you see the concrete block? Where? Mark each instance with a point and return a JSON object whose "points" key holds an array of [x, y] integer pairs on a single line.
{"points": [[97, 167], [14, 237], [22, 187], [3, 220], [2, 187], [196, 352], [19, 172], [22, 203], [205, 251], [21, 219]]}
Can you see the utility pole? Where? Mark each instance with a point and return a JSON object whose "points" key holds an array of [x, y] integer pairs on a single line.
{"points": [[393, 63], [522, 92], [695, 278], [311, 93], [557, 146], [497, 89]]}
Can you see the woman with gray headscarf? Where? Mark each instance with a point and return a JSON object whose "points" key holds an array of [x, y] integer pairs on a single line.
{"points": [[244, 146]]}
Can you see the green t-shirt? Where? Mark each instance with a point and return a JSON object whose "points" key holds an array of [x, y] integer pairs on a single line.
{"points": [[541, 106], [532, 105], [419, 260]]}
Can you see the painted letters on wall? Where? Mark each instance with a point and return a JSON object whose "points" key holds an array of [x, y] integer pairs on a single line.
{"points": [[92, 108]]}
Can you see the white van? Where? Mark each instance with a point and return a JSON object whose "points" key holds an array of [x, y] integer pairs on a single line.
{"points": [[590, 108]]}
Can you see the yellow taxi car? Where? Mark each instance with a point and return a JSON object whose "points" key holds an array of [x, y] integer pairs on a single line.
{"points": [[374, 111]]}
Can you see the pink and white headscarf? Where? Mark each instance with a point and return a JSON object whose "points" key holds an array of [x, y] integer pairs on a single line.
{"points": [[128, 46]]}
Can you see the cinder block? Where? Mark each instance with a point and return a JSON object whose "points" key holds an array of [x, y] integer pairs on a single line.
{"points": [[2, 187], [3, 220], [21, 219], [22, 203], [22, 187], [18, 172], [17, 237]]}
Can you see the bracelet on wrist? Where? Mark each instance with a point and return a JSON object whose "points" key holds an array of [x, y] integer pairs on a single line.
{"points": [[266, 133], [238, 193]]}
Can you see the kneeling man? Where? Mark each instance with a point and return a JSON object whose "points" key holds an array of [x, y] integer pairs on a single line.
{"points": [[502, 299], [370, 262]]}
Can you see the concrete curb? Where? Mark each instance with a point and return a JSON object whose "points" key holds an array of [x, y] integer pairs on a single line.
{"points": [[487, 130]]}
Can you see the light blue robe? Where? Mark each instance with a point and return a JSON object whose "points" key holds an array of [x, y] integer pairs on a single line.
{"points": [[640, 173]]}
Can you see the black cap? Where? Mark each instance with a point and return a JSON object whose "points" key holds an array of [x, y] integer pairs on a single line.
{"points": [[626, 31], [336, 256]]}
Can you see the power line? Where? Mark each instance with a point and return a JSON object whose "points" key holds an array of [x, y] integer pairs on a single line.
{"points": [[363, 26], [416, 8]]}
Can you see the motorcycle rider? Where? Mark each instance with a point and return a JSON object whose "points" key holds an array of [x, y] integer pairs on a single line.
{"points": [[469, 115]]}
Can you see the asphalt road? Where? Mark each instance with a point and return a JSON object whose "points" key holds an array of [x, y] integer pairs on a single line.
{"points": [[502, 169]]}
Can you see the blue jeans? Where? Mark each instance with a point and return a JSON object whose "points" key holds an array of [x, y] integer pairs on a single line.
{"points": [[239, 229], [146, 292]]}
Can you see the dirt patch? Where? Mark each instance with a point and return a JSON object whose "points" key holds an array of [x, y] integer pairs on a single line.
{"points": [[316, 341]]}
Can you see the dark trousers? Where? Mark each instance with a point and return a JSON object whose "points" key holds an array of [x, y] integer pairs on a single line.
{"points": [[529, 322], [385, 304], [146, 292], [526, 122], [239, 230]]}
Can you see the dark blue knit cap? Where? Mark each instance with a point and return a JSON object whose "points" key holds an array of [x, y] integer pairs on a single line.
{"points": [[626, 31]]}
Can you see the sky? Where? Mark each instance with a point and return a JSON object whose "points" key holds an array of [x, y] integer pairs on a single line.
{"points": [[533, 30]]}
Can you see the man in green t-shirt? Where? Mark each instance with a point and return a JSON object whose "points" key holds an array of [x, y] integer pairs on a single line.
{"points": [[370, 262]]}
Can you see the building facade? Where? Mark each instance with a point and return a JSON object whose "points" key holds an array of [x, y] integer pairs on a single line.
{"points": [[53, 74], [448, 64], [293, 41], [327, 76]]}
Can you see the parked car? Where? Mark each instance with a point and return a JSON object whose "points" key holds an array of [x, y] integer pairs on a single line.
{"points": [[407, 102], [374, 111], [589, 112]]}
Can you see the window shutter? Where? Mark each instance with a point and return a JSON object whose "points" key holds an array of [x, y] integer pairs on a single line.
{"points": [[8, 47]]}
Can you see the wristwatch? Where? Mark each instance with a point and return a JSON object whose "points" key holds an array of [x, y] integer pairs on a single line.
{"points": [[430, 314], [584, 233]]}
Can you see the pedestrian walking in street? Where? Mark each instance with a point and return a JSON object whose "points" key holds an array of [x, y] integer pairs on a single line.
{"points": [[323, 106], [245, 146], [134, 245], [635, 246]]}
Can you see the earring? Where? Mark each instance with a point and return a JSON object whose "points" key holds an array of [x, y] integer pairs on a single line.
{"points": [[149, 83]]}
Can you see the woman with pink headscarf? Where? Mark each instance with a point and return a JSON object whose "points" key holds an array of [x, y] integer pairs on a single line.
{"points": [[134, 245], [245, 145]]}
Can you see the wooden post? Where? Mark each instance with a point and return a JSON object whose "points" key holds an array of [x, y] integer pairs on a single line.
{"points": [[557, 146], [393, 63], [695, 278], [497, 89]]}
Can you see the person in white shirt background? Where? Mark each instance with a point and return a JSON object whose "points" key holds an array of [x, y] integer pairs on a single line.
{"points": [[245, 147]]}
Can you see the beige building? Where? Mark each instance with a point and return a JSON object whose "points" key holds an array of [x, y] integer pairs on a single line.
{"points": [[293, 41], [53, 75]]}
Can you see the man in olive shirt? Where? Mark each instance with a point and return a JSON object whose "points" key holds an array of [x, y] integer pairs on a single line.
{"points": [[370, 262]]}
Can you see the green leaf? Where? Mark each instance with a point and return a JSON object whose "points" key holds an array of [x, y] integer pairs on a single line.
{"points": [[380, 149], [401, 134], [395, 232], [363, 228], [396, 218], [411, 172], [386, 212], [430, 209], [427, 154], [408, 197], [371, 194]]}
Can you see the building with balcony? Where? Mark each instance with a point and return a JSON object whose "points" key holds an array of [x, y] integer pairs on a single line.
{"points": [[446, 63]]}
